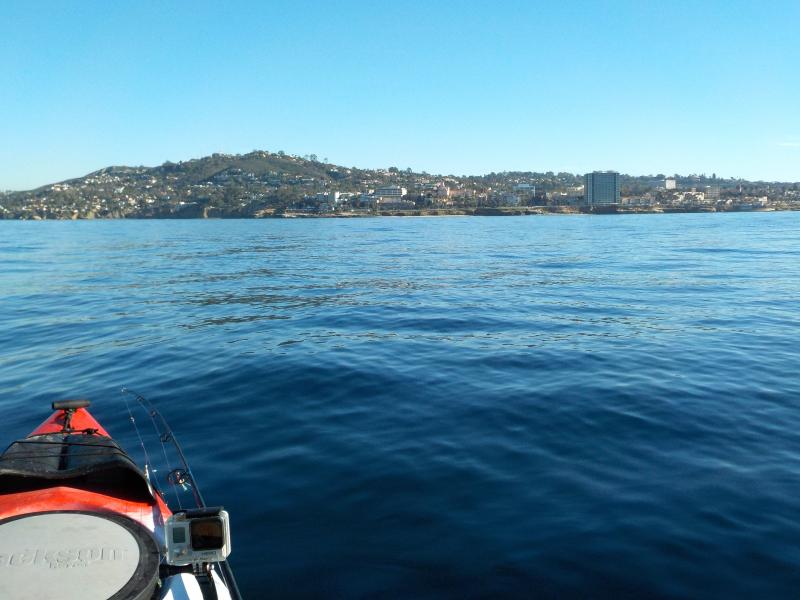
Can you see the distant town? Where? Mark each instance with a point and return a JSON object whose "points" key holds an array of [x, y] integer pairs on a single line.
{"points": [[266, 184]]}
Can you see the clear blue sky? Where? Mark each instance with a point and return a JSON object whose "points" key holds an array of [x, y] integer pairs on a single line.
{"points": [[447, 87]]}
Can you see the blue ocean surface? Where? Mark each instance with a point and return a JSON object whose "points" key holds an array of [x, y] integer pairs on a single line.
{"points": [[532, 407]]}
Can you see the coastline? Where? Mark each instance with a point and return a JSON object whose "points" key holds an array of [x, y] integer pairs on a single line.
{"points": [[427, 213]]}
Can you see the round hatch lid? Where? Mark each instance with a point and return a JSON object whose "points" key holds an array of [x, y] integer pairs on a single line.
{"points": [[76, 556]]}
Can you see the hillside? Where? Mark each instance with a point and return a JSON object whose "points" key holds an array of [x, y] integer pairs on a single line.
{"points": [[228, 185], [265, 184]]}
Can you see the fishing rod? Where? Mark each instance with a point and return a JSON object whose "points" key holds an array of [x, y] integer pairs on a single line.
{"points": [[177, 477]]}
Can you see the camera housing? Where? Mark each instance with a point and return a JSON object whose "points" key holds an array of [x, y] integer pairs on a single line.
{"points": [[198, 536]]}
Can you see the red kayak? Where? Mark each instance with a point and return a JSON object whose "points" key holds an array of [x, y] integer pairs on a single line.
{"points": [[79, 519]]}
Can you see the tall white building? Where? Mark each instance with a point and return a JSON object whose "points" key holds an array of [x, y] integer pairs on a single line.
{"points": [[670, 184], [601, 188]]}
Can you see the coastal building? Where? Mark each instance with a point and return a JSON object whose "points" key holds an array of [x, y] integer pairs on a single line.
{"points": [[441, 190], [670, 184], [601, 188], [712, 192], [564, 199], [391, 191], [331, 198], [507, 199]]}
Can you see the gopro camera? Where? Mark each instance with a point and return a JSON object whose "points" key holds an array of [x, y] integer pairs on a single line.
{"points": [[198, 536]]}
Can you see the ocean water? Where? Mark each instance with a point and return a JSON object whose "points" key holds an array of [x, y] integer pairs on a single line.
{"points": [[553, 407]]}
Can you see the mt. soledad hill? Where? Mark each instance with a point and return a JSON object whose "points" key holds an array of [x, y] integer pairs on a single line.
{"points": [[224, 185]]}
